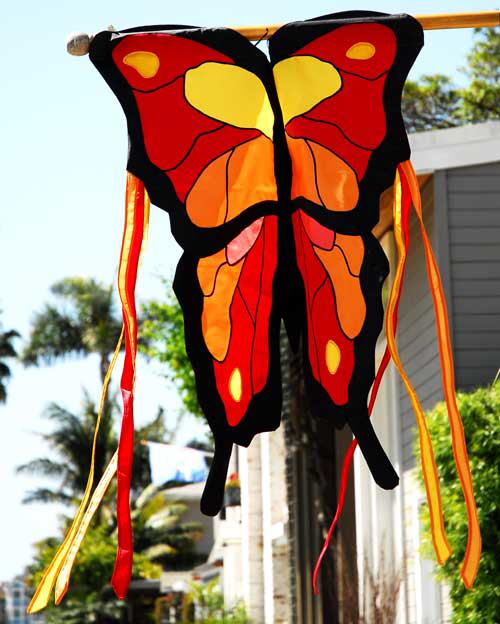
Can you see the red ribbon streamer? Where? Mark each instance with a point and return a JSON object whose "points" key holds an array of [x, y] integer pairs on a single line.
{"points": [[386, 358], [127, 276]]}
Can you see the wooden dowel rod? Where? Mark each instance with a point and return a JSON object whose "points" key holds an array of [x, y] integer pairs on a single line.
{"points": [[429, 22], [78, 43]]}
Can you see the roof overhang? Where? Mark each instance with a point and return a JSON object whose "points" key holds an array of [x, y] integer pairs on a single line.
{"points": [[449, 148]]}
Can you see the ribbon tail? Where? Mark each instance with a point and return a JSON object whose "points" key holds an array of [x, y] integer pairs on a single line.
{"points": [[62, 582], [402, 203], [133, 244], [473, 552], [42, 594]]}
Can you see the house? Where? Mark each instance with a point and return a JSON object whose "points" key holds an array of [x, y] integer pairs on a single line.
{"points": [[14, 599], [269, 546]]}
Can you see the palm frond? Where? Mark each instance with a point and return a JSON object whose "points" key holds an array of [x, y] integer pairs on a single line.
{"points": [[43, 466], [44, 495], [54, 335], [159, 550]]}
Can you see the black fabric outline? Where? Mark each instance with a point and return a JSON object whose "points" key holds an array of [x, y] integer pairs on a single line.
{"points": [[215, 280]]}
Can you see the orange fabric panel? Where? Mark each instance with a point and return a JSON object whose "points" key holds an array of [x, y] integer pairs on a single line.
{"points": [[354, 251], [351, 306], [335, 179], [207, 271], [250, 176], [216, 322], [233, 182], [303, 170], [206, 203]]}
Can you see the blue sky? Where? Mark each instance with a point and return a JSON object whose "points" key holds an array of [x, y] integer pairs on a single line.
{"points": [[62, 173]]}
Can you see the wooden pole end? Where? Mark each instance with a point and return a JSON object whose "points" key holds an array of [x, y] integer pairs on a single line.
{"points": [[78, 43]]}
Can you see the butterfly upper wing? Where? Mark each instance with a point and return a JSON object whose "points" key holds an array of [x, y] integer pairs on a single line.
{"points": [[208, 159], [184, 131], [337, 82]]}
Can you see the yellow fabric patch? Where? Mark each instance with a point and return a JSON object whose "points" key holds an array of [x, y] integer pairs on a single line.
{"points": [[230, 94], [361, 51], [235, 385], [146, 64], [303, 82], [332, 357]]}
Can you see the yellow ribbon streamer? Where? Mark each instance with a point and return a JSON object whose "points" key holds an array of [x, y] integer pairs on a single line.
{"points": [[473, 552], [441, 545], [42, 594], [65, 573]]}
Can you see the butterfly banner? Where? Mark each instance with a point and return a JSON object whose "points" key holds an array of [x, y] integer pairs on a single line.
{"points": [[271, 171]]}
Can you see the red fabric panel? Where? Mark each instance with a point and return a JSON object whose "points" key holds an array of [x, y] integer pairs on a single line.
{"points": [[322, 321], [331, 137], [250, 310], [333, 46], [177, 53]]}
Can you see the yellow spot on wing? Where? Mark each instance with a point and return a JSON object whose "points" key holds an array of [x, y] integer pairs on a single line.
{"points": [[361, 51], [332, 357], [235, 385], [302, 82], [145, 63], [230, 94]]}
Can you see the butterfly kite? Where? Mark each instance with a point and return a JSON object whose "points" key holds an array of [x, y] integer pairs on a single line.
{"points": [[271, 171]]}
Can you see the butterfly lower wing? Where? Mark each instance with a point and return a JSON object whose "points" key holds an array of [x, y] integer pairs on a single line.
{"points": [[342, 278], [232, 339]]}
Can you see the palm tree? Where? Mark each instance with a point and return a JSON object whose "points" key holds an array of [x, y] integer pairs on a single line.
{"points": [[71, 440], [159, 532], [84, 321], [6, 351]]}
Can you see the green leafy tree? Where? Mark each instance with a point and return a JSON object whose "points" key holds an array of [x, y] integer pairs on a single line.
{"points": [[482, 97], [83, 320], [435, 102], [163, 339], [85, 601], [7, 351], [432, 102], [210, 607], [480, 412]]}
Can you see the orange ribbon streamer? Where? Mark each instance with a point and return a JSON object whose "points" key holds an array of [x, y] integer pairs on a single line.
{"points": [[473, 552]]}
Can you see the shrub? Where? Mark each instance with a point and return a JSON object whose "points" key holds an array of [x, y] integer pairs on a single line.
{"points": [[480, 412]]}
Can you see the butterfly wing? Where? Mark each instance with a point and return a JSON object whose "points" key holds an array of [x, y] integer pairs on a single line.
{"points": [[208, 159], [345, 139]]}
